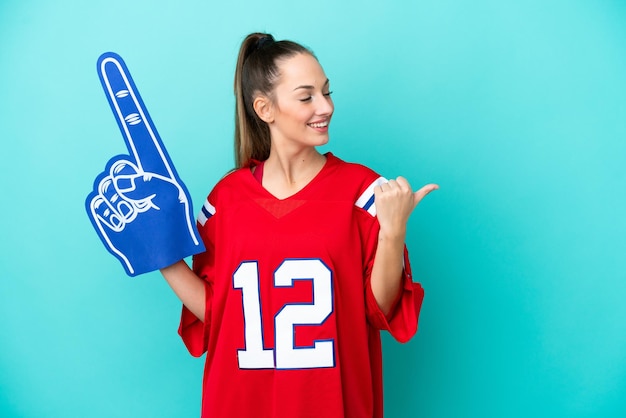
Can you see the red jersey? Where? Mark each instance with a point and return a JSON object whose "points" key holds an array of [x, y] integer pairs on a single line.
{"points": [[291, 327]]}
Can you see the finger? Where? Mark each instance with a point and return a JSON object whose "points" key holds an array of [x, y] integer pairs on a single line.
{"points": [[403, 183], [119, 207], [389, 185], [104, 214], [380, 187], [123, 174], [142, 188], [142, 138], [421, 193]]}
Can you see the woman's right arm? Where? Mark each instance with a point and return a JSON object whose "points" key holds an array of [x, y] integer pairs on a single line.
{"points": [[188, 287]]}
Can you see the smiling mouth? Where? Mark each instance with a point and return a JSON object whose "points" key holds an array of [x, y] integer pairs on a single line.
{"points": [[319, 124]]}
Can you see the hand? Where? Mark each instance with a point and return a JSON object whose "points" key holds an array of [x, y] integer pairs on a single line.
{"points": [[139, 206], [395, 201]]}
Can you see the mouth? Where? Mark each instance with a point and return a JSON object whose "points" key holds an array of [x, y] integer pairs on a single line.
{"points": [[319, 125]]}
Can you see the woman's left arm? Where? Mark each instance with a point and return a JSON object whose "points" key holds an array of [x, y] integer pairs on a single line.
{"points": [[395, 200]]}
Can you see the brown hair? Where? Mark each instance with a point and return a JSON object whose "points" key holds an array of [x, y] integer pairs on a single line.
{"points": [[256, 73]]}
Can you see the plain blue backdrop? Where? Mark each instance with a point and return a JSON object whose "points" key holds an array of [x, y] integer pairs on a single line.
{"points": [[517, 109]]}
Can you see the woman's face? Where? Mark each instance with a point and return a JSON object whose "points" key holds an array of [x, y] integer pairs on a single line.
{"points": [[301, 106]]}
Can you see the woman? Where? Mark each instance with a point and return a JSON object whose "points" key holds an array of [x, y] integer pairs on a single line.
{"points": [[302, 270]]}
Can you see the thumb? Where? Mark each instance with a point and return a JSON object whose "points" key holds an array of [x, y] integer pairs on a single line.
{"points": [[143, 186], [421, 193]]}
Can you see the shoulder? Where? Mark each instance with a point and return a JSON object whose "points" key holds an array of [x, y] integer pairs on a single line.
{"points": [[232, 179], [357, 182], [350, 168], [232, 185], [226, 189]]}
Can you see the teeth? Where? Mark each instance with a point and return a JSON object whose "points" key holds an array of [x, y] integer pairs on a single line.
{"points": [[319, 125]]}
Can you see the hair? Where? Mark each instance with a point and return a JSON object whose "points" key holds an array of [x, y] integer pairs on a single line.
{"points": [[256, 74]]}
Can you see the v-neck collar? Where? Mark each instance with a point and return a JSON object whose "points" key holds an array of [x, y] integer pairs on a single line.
{"points": [[331, 161]]}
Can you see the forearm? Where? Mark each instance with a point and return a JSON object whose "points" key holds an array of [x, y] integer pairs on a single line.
{"points": [[188, 287], [386, 279], [394, 203]]}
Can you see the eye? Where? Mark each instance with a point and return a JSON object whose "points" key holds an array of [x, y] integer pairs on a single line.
{"points": [[306, 99], [328, 94]]}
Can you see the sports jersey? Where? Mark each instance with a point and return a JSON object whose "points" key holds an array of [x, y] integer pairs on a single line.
{"points": [[292, 328]]}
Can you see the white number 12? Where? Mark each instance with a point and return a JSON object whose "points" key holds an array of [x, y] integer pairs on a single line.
{"points": [[285, 355]]}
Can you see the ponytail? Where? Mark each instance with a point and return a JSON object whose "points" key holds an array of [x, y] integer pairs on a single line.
{"points": [[256, 74]]}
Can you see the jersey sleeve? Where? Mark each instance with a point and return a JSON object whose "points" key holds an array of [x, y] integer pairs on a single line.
{"points": [[192, 330], [402, 320]]}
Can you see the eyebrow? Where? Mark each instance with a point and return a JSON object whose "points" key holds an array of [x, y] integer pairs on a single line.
{"points": [[308, 87]]}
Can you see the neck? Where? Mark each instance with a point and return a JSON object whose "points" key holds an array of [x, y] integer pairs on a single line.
{"points": [[285, 174]]}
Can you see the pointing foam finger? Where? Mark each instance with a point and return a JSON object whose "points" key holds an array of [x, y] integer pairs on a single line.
{"points": [[132, 116]]}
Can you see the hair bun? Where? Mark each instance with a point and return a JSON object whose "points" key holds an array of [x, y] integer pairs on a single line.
{"points": [[264, 41]]}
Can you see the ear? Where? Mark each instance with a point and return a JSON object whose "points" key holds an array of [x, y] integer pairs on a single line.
{"points": [[263, 107]]}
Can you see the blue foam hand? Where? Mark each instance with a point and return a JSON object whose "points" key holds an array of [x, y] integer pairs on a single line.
{"points": [[139, 207]]}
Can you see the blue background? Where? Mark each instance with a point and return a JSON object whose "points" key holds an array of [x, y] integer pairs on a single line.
{"points": [[517, 109]]}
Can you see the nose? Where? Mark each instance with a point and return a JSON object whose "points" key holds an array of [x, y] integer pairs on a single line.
{"points": [[326, 107]]}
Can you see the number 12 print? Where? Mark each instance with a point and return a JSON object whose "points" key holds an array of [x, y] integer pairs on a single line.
{"points": [[286, 355]]}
